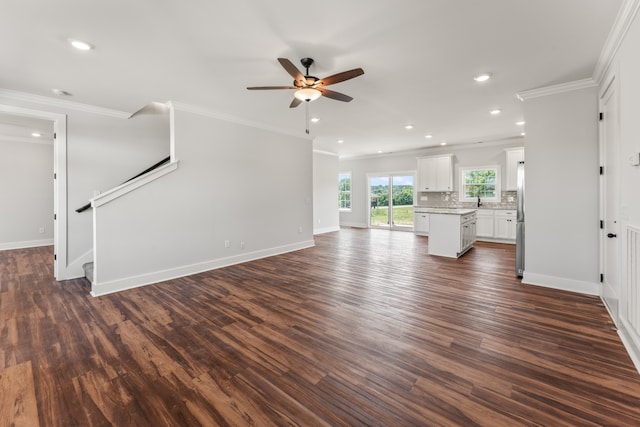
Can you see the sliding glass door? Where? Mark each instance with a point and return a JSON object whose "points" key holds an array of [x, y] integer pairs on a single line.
{"points": [[391, 201]]}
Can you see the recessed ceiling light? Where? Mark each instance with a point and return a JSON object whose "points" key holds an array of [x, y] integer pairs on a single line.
{"points": [[520, 123], [482, 77], [340, 141], [35, 135], [523, 134], [408, 127], [443, 143], [428, 136], [60, 92], [379, 151], [495, 112], [315, 119], [80, 45]]}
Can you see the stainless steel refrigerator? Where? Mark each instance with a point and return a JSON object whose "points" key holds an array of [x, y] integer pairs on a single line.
{"points": [[520, 221]]}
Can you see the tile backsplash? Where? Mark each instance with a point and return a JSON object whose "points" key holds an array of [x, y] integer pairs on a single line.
{"points": [[449, 199]]}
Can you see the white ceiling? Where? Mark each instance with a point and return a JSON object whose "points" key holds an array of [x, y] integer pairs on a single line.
{"points": [[419, 58]]}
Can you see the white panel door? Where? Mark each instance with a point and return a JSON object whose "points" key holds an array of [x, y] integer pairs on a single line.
{"points": [[610, 186]]}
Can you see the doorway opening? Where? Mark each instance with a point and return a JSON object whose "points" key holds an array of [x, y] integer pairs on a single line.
{"points": [[59, 182], [391, 197]]}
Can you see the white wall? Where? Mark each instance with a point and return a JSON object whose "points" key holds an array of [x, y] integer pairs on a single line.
{"points": [[325, 193], [626, 69], [468, 155], [561, 149], [234, 183], [102, 153], [26, 194]]}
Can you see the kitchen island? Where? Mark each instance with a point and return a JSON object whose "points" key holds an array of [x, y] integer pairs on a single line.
{"points": [[452, 232]]}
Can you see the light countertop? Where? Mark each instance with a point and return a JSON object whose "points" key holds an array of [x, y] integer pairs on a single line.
{"points": [[444, 211]]}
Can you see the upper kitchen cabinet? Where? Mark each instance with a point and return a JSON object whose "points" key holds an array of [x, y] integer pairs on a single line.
{"points": [[435, 173], [514, 155]]}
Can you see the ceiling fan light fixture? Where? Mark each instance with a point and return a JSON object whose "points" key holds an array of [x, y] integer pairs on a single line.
{"points": [[307, 94]]}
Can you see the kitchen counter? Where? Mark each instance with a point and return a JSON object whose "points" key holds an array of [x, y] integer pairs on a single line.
{"points": [[445, 211]]}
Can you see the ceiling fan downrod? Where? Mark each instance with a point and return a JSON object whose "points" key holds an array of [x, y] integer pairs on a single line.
{"points": [[306, 63]]}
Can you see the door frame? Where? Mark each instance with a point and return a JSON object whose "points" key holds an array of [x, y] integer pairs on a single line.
{"points": [[60, 182], [609, 89], [390, 175]]}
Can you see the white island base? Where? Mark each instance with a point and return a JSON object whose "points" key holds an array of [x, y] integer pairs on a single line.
{"points": [[452, 232]]}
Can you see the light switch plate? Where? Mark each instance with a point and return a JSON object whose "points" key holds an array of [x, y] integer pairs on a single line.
{"points": [[634, 159]]}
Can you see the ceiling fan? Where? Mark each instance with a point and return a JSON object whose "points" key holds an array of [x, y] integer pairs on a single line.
{"points": [[309, 88]]}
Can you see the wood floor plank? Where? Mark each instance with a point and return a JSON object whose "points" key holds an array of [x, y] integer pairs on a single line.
{"points": [[18, 399], [364, 329]]}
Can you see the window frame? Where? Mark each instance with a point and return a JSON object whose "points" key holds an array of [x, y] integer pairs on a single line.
{"points": [[349, 192], [498, 187]]}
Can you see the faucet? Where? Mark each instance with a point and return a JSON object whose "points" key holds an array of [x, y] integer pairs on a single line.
{"points": [[479, 202]]}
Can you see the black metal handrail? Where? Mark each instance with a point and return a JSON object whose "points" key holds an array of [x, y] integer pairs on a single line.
{"points": [[149, 169]]}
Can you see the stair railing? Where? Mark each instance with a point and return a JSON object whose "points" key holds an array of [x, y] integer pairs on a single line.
{"points": [[149, 169]]}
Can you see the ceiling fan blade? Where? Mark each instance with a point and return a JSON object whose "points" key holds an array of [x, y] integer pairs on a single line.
{"points": [[295, 103], [271, 87], [340, 77], [335, 95], [291, 69]]}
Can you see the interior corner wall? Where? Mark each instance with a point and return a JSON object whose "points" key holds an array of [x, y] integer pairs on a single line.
{"points": [[26, 192], [561, 202], [234, 183], [325, 193]]}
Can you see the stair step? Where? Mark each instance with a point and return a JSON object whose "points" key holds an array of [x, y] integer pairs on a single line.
{"points": [[88, 271]]}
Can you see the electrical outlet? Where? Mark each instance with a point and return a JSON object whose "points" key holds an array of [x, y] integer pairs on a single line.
{"points": [[227, 243], [241, 245], [41, 230], [300, 230]]}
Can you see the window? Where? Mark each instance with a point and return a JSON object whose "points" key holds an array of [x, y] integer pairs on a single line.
{"points": [[344, 191], [483, 182]]}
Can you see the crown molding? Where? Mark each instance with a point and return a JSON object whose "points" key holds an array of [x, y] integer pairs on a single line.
{"points": [[60, 103], [556, 89], [187, 108], [621, 25], [326, 153]]}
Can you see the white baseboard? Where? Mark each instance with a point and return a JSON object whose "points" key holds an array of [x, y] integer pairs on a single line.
{"points": [[25, 244], [105, 288], [494, 240], [354, 224], [561, 283], [632, 347], [325, 230]]}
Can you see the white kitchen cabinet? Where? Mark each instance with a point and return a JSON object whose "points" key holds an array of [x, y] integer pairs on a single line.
{"points": [[468, 232], [505, 224], [421, 223], [514, 155], [484, 223], [435, 173]]}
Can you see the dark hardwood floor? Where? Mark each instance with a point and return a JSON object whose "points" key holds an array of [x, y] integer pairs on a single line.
{"points": [[364, 329]]}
